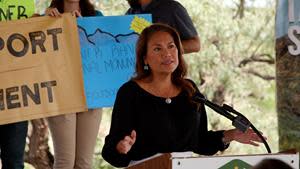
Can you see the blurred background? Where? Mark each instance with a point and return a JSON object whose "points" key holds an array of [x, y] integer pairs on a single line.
{"points": [[236, 66]]}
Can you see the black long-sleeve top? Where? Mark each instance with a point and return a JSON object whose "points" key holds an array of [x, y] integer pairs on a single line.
{"points": [[160, 127]]}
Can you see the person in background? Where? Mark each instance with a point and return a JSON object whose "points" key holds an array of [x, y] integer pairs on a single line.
{"points": [[12, 144], [74, 135], [172, 13], [270, 163], [155, 112]]}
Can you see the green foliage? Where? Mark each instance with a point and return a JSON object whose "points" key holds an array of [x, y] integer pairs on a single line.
{"points": [[226, 42], [112, 7], [41, 5]]}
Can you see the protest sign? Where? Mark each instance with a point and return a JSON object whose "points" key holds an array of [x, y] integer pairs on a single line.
{"points": [[40, 68], [108, 54]]}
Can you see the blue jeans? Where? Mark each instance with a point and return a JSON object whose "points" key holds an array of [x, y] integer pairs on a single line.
{"points": [[12, 145]]}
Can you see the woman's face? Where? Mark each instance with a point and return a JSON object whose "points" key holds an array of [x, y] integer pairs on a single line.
{"points": [[162, 53]]}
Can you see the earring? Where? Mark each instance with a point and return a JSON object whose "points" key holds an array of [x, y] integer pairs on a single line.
{"points": [[146, 67]]}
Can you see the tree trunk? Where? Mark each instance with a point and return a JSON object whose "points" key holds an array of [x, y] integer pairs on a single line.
{"points": [[38, 154], [287, 94], [219, 95]]}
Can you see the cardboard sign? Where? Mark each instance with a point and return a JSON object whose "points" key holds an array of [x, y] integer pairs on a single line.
{"points": [[108, 54], [16, 9], [40, 68]]}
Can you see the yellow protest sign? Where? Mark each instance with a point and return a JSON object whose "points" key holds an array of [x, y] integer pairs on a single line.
{"points": [[16, 9], [138, 24], [40, 68]]}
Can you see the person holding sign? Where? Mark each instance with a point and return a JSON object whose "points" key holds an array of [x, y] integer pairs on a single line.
{"points": [[155, 111], [172, 13], [74, 135], [13, 135]]}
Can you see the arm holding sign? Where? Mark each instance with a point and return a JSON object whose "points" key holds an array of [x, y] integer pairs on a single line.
{"points": [[172, 13], [55, 13], [52, 12]]}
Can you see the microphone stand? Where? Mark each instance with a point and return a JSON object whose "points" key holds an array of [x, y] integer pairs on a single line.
{"points": [[239, 121]]}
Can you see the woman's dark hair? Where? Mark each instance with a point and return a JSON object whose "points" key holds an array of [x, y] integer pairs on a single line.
{"points": [[178, 76], [86, 7]]}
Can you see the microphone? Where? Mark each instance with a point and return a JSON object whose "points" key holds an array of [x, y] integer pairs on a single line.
{"points": [[239, 121]]}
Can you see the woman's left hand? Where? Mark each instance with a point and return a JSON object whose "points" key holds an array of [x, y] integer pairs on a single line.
{"points": [[249, 137]]}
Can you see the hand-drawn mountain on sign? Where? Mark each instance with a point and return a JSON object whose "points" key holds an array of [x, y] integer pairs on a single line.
{"points": [[99, 37]]}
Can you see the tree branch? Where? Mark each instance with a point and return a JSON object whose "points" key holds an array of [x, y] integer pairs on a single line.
{"points": [[240, 11], [38, 154], [264, 77], [257, 35], [263, 58]]}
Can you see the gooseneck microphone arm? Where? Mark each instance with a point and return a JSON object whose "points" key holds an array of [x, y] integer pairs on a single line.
{"points": [[239, 121], [230, 109]]}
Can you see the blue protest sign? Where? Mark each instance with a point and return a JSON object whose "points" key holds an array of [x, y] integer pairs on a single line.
{"points": [[108, 54]]}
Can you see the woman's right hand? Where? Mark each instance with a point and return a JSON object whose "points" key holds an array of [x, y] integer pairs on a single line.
{"points": [[124, 146], [52, 12], [247, 137]]}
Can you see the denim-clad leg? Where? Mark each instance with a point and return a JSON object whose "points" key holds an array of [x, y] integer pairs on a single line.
{"points": [[12, 144]]}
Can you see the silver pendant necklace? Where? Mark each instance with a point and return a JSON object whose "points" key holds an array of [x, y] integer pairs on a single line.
{"points": [[168, 100]]}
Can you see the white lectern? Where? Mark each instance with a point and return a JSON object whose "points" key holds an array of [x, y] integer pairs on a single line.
{"points": [[169, 161]]}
